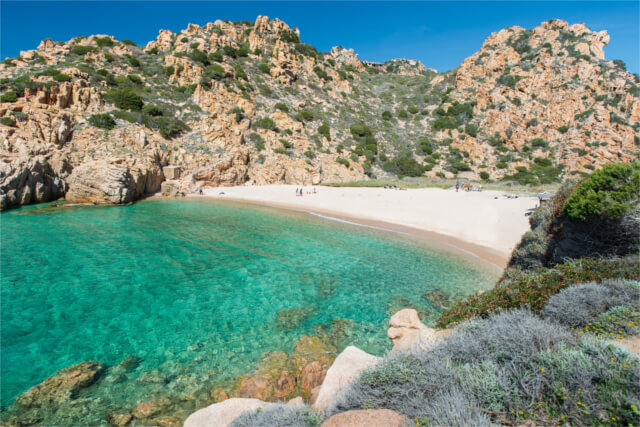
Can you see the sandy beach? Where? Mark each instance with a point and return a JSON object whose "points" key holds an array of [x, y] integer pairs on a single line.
{"points": [[486, 224]]}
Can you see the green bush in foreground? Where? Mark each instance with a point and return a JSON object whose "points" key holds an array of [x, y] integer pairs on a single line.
{"points": [[102, 121], [608, 192], [125, 99], [533, 290]]}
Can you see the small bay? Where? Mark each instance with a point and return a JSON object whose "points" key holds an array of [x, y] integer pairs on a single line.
{"points": [[199, 290]]}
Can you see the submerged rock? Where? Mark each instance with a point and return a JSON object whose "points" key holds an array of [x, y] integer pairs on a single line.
{"points": [[149, 409], [291, 318], [61, 387], [120, 420], [346, 369]]}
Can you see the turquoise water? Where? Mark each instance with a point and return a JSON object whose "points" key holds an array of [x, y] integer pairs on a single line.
{"points": [[193, 288]]}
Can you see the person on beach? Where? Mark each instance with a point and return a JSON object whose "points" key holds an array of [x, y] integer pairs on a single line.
{"points": [[457, 186], [200, 191], [297, 191]]}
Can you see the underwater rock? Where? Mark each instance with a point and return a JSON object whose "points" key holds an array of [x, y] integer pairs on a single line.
{"points": [[273, 378], [120, 420], [61, 387], [130, 362], [312, 357], [292, 317], [150, 409], [167, 422], [153, 377], [257, 387], [438, 298]]}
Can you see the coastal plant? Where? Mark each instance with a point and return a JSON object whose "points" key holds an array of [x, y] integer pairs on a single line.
{"points": [[579, 305], [103, 121], [533, 289], [506, 369], [279, 415], [608, 192]]}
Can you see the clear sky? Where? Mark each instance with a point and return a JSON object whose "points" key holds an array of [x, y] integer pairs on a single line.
{"points": [[440, 34]]}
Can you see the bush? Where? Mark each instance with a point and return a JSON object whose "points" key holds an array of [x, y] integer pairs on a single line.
{"points": [[214, 71], [82, 50], [282, 107], [230, 51], [102, 121], [168, 127], [128, 42], [304, 116], [563, 129], [216, 56], [471, 130], [239, 72], [8, 121], [265, 123], [279, 415], [608, 192], [579, 305], [321, 73], [445, 123], [533, 290], [152, 51], [105, 41], [325, 130], [386, 115], [135, 79], [197, 55], [484, 175], [8, 96], [125, 99], [403, 114], [60, 77], [152, 110], [403, 166], [343, 161], [264, 68], [258, 141], [289, 37]]}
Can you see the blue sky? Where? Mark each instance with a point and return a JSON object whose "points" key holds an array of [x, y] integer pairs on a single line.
{"points": [[440, 34]]}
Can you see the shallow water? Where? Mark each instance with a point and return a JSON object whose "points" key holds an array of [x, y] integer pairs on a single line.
{"points": [[194, 288]]}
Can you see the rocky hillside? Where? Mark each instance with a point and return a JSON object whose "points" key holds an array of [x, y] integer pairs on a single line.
{"points": [[96, 119]]}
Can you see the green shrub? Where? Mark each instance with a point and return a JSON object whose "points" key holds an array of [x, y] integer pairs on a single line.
{"points": [[608, 192], [169, 71], [386, 115], [289, 37], [307, 50], [8, 96], [258, 141], [264, 68], [128, 42], [413, 109], [242, 52], [127, 116], [152, 51], [82, 50], [239, 72], [539, 142], [563, 129], [321, 73], [403, 166], [471, 130], [125, 99], [230, 51], [109, 58], [304, 116], [484, 175], [62, 77], [216, 56], [197, 55], [279, 415], [532, 122], [367, 145], [102, 121], [168, 127], [282, 107], [533, 290], [152, 110], [135, 79], [403, 114], [343, 161], [325, 130], [617, 119], [310, 154], [133, 61], [8, 121], [214, 71], [265, 123], [105, 41], [508, 80]]}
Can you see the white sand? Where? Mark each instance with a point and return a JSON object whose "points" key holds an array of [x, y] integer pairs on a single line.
{"points": [[474, 217]]}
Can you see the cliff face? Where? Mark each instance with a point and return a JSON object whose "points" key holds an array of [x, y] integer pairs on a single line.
{"points": [[249, 102]]}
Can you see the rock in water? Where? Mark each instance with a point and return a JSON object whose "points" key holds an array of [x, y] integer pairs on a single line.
{"points": [[101, 183], [366, 418], [61, 387], [408, 332], [346, 369], [222, 414]]}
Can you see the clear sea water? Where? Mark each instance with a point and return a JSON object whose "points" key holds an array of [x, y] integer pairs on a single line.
{"points": [[194, 287]]}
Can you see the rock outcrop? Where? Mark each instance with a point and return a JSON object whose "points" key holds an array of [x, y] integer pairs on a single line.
{"points": [[366, 418], [344, 370], [408, 333]]}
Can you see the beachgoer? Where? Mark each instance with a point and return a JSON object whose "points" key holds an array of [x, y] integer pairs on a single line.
{"points": [[296, 191], [457, 186], [200, 191], [314, 190]]}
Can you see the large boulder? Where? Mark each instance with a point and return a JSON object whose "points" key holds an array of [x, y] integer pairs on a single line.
{"points": [[113, 182], [61, 387], [345, 369], [222, 414], [366, 418]]}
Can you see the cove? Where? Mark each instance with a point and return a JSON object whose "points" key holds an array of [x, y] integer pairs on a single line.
{"points": [[197, 290]]}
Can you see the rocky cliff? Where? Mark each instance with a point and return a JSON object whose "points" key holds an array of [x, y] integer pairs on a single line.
{"points": [[95, 119]]}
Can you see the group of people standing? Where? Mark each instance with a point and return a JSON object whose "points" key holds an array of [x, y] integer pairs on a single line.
{"points": [[466, 186], [300, 191]]}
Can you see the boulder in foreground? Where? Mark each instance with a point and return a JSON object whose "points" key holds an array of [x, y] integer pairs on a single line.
{"points": [[222, 414], [367, 418]]}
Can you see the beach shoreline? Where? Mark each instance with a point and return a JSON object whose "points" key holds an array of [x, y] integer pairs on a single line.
{"points": [[477, 225]]}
